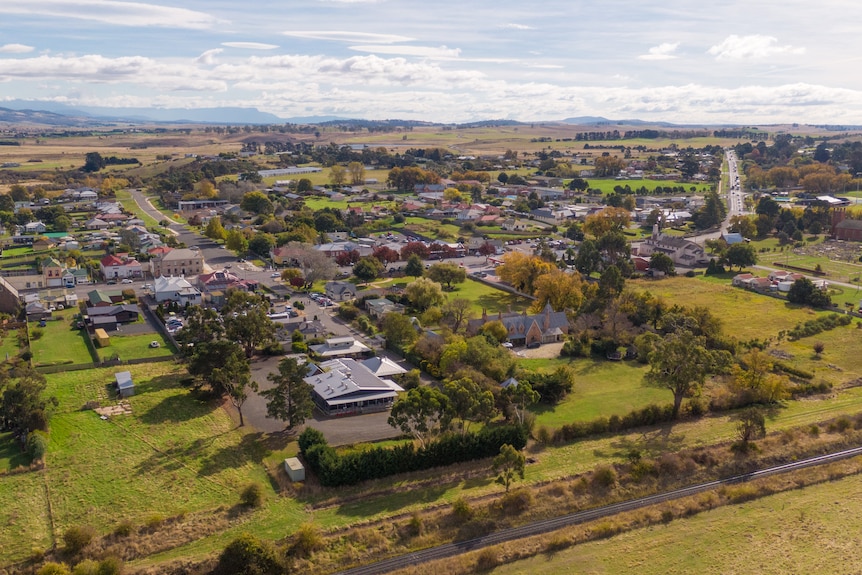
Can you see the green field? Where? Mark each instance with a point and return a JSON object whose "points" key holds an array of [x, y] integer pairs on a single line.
{"points": [[602, 389], [812, 530], [135, 346], [61, 342], [481, 295]]}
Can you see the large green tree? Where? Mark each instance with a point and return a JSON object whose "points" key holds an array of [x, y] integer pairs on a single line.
{"points": [[367, 269], [246, 321], [469, 403], [509, 464], [423, 412], [680, 364], [424, 293], [446, 274], [223, 366], [291, 398]]}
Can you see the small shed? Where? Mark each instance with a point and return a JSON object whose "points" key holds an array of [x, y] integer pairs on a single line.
{"points": [[295, 469], [102, 337], [125, 385]]}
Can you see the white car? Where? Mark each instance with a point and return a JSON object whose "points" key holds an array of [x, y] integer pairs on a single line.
{"points": [[275, 275], [126, 281], [507, 344]]}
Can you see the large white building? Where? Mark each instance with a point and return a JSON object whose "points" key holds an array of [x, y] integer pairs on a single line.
{"points": [[683, 252], [346, 387], [176, 289]]}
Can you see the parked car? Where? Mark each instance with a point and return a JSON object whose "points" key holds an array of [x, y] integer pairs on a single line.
{"points": [[126, 281], [534, 345], [507, 344], [275, 275]]}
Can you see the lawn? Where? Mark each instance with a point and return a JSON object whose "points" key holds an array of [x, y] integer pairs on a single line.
{"points": [[24, 516], [11, 455], [61, 342], [135, 346], [736, 307], [9, 344], [811, 530], [602, 389], [481, 295]]}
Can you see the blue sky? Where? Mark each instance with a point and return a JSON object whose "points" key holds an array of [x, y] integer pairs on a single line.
{"points": [[724, 61]]}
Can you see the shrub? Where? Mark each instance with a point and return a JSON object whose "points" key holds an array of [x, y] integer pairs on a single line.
{"points": [[36, 333], [516, 501], [110, 566], [461, 510], [604, 476], [154, 521], [310, 437], [299, 347], [306, 540], [486, 560], [273, 349], [248, 555], [840, 425], [415, 525], [124, 528], [52, 568], [666, 516], [77, 537], [37, 445], [252, 495], [86, 567], [814, 430]]}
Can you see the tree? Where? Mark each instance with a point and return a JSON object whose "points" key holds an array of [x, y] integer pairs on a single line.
{"points": [[804, 292], [561, 290], [679, 364], [495, 330], [589, 259], [246, 321], [741, 255], [314, 264], [357, 173], [23, 406], [753, 378], [291, 398], [751, 425], [261, 244], [614, 247], [607, 220], [257, 203], [819, 347], [486, 249], [215, 230], [519, 398], [423, 293], [93, 162], [521, 270], [456, 312], [414, 266], [399, 330], [447, 274], [235, 240], [337, 175], [224, 367], [304, 185], [423, 412], [202, 325], [661, 262], [367, 269], [415, 248], [742, 225], [386, 255], [509, 464], [468, 402]]}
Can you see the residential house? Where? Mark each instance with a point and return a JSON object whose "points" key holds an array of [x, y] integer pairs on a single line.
{"points": [[340, 291], [36, 227], [379, 307], [347, 387], [42, 244], [383, 366], [104, 298], [682, 251], [175, 289], [545, 327], [114, 267], [96, 224], [345, 346], [52, 272], [215, 285], [109, 317], [177, 262]]}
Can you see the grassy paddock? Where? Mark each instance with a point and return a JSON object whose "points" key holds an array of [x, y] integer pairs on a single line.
{"points": [[60, 342], [136, 346]]}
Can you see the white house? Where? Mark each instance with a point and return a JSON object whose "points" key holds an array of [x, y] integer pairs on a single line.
{"points": [[170, 288]]}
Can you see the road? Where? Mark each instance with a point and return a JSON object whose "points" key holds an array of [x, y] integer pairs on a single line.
{"points": [[547, 525]]}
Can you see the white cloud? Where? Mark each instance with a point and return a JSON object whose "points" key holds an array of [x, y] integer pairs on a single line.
{"points": [[663, 51], [113, 12], [208, 58], [514, 26], [15, 49], [750, 47], [346, 36], [250, 45], [420, 51]]}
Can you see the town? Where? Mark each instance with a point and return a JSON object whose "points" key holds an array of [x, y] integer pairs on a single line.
{"points": [[325, 348]]}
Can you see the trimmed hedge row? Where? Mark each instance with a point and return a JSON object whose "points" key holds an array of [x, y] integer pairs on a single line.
{"points": [[333, 469], [821, 324], [649, 415]]}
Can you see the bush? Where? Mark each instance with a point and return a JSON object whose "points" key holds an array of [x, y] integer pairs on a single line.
{"points": [[486, 560], [36, 333], [461, 510], [110, 566], [299, 347], [248, 555], [37, 445], [310, 437], [306, 541], [124, 528], [415, 525], [86, 567], [52, 568], [604, 476], [75, 539], [252, 495], [154, 521]]}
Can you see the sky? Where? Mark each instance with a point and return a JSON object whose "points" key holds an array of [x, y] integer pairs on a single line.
{"points": [[718, 62]]}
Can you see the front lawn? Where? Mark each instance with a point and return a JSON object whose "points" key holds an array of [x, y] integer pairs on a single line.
{"points": [[61, 342], [135, 346]]}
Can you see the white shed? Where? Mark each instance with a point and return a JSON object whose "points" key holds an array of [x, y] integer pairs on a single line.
{"points": [[125, 385], [294, 468]]}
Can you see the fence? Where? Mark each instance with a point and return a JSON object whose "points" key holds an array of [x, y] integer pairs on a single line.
{"points": [[98, 364]]}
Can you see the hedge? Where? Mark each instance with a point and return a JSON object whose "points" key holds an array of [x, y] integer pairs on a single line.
{"points": [[333, 469]]}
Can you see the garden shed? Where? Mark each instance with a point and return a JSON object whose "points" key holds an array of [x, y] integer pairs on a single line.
{"points": [[295, 469], [102, 337], [125, 385]]}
